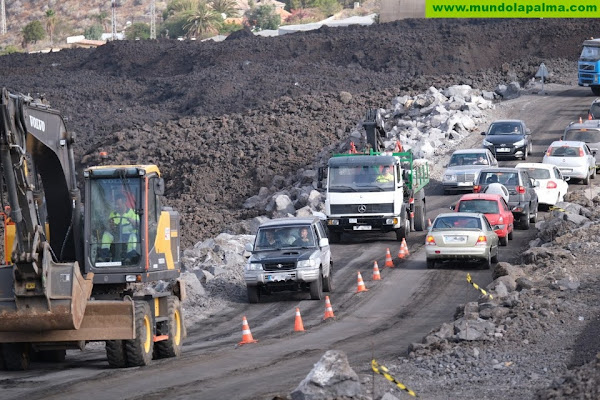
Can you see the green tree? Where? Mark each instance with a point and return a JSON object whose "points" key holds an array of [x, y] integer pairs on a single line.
{"points": [[50, 24], [94, 32], [227, 7], [10, 49], [203, 20], [328, 7], [102, 19], [263, 17], [139, 30], [33, 32], [179, 6]]}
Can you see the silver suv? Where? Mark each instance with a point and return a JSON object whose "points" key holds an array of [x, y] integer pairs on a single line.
{"points": [[289, 254]]}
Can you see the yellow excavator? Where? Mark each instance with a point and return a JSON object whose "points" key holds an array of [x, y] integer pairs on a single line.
{"points": [[106, 270]]}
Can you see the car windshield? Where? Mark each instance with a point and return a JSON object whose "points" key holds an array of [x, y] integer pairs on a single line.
{"points": [[538, 173], [468, 159], [564, 151], [457, 222], [508, 179], [274, 238], [583, 135], [479, 206], [505, 128]]}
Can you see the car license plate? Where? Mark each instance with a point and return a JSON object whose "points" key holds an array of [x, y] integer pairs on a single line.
{"points": [[465, 184], [455, 239], [503, 150], [362, 228], [352, 220], [566, 169], [278, 277]]}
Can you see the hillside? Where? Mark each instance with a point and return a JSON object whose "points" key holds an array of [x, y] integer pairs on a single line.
{"points": [[224, 119]]}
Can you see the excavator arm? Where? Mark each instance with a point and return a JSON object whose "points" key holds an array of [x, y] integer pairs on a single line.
{"points": [[39, 177]]}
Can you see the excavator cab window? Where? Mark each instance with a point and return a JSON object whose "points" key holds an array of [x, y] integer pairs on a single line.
{"points": [[115, 222]]}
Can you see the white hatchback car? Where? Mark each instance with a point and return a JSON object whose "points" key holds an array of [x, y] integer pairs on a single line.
{"points": [[552, 185], [573, 159]]}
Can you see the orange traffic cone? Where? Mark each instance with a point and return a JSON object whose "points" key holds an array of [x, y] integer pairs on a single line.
{"points": [[328, 309], [298, 325], [406, 253], [246, 334], [388, 259], [402, 251], [361, 284], [376, 274]]}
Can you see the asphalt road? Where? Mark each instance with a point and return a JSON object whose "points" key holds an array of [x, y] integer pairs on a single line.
{"points": [[400, 309]]}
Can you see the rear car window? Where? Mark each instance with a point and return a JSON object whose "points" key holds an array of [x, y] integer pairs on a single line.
{"points": [[458, 222], [538, 173], [505, 178], [583, 135], [479, 206], [564, 151]]}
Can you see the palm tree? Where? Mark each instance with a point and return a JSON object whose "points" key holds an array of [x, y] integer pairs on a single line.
{"points": [[178, 6], [51, 24], [203, 20], [227, 7]]}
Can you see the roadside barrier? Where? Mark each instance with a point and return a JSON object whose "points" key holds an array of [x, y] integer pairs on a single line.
{"points": [[477, 287], [381, 370]]}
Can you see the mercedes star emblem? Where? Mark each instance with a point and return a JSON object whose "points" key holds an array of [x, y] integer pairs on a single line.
{"points": [[362, 208]]}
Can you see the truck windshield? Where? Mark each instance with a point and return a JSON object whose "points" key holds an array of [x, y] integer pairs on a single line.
{"points": [[590, 53], [276, 238], [361, 178], [115, 222]]}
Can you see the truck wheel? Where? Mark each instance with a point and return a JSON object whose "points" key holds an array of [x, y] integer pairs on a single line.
{"points": [[328, 281], [420, 217], [253, 295], [139, 350], [172, 346], [16, 356], [402, 233], [115, 353], [316, 288], [334, 237]]}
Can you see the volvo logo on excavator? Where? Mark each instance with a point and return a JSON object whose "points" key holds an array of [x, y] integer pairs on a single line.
{"points": [[37, 123]]}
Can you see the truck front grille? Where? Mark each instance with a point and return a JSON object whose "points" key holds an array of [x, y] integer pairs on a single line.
{"points": [[280, 266], [587, 67], [362, 208]]}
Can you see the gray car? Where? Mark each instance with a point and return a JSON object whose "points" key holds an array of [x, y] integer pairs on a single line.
{"points": [[463, 168], [588, 132], [289, 254], [522, 200], [461, 236]]}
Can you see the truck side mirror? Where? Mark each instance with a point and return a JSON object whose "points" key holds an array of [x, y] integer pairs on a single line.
{"points": [[159, 186]]}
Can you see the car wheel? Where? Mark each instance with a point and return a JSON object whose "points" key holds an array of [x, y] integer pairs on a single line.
{"points": [[494, 259], [533, 218], [253, 295], [447, 191], [430, 264], [487, 263], [503, 241], [328, 281], [594, 174], [316, 288], [586, 180], [510, 235], [525, 154], [524, 220]]}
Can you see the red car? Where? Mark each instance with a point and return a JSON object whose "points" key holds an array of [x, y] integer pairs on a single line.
{"points": [[495, 209]]}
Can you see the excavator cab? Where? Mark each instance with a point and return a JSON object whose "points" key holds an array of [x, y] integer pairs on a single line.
{"points": [[129, 236]]}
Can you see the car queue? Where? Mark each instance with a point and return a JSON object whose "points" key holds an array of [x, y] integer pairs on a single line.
{"points": [[500, 199]]}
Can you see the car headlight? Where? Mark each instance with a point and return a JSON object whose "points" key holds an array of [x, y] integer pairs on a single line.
{"points": [[486, 143], [254, 267], [519, 143], [449, 178], [306, 263]]}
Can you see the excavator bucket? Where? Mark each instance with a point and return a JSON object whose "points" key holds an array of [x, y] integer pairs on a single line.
{"points": [[57, 301]]}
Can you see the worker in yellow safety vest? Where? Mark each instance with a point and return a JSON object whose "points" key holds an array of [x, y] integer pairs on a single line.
{"points": [[124, 224]]}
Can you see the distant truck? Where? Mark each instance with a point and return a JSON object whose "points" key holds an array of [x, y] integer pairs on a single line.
{"points": [[361, 197], [588, 66]]}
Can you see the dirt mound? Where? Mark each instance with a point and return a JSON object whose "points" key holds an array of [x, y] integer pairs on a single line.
{"points": [[223, 119]]}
